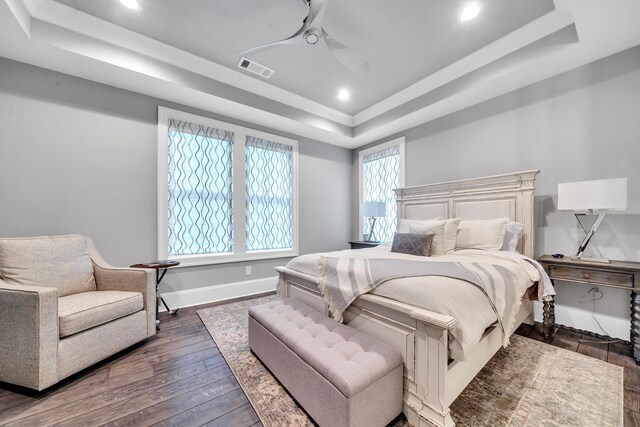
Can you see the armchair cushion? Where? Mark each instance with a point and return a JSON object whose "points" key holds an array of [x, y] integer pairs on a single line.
{"points": [[85, 310], [60, 262]]}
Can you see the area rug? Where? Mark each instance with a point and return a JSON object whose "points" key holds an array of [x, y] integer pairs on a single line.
{"points": [[527, 384]]}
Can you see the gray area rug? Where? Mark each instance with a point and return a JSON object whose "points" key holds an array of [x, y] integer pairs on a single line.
{"points": [[527, 384]]}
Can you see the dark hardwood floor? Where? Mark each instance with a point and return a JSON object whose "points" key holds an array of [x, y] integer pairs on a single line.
{"points": [[179, 378], [176, 378]]}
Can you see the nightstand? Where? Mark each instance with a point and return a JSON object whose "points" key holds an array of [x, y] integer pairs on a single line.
{"points": [[362, 244], [617, 274]]}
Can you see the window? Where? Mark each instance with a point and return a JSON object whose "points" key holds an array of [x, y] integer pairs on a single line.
{"points": [[269, 205], [199, 193], [226, 193], [381, 170]]}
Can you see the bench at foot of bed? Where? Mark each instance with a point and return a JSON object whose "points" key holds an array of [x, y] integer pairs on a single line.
{"points": [[340, 376]]}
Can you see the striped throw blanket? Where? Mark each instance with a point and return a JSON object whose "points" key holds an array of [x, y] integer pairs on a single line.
{"points": [[342, 280]]}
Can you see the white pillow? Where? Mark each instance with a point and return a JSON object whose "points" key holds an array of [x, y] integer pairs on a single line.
{"points": [[512, 234], [422, 227], [451, 234], [481, 233]]}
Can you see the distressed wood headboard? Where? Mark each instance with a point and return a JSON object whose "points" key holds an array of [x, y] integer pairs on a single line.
{"points": [[508, 195]]}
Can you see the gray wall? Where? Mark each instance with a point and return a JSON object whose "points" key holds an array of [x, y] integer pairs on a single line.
{"points": [[80, 157], [581, 125]]}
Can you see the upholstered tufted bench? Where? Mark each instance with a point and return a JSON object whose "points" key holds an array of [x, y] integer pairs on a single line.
{"points": [[340, 376]]}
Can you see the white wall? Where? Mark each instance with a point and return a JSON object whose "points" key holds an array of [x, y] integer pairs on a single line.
{"points": [[80, 157], [581, 125]]}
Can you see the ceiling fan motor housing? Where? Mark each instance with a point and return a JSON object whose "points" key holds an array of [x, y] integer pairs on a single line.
{"points": [[312, 36]]}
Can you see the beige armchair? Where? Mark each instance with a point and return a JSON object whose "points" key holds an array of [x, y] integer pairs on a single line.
{"points": [[63, 308]]}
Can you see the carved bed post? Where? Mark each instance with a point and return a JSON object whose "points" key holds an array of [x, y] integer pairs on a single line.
{"points": [[635, 325], [432, 346]]}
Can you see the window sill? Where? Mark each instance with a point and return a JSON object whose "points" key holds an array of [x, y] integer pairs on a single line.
{"points": [[200, 260]]}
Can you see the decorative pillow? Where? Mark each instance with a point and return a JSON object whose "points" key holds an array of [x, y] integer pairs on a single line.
{"points": [[412, 243], [450, 234], [512, 234], [481, 233], [60, 262], [423, 227]]}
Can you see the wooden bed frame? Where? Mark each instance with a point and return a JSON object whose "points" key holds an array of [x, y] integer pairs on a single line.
{"points": [[431, 381]]}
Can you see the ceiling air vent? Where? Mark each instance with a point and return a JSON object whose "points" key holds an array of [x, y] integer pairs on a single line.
{"points": [[255, 68]]}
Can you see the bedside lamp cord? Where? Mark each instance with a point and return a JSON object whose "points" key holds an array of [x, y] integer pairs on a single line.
{"points": [[597, 294]]}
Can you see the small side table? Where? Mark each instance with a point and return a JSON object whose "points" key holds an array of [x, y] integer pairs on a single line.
{"points": [[617, 274], [163, 265], [362, 244]]}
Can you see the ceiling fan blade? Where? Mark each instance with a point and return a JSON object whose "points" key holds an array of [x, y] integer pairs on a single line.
{"points": [[316, 13], [296, 38], [346, 56]]}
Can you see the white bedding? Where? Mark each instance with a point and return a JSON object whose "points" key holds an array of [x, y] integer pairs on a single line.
{"points": [[456, 298]]}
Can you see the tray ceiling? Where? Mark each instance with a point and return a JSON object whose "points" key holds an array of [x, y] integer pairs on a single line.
{"points": [[403, 40], [424, 64]]}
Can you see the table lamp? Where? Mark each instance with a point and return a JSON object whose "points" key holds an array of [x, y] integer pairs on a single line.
{"points": [[589, 197], [372, 210]]}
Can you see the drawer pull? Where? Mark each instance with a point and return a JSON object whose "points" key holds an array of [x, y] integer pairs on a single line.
{"points": [[586, 276]]}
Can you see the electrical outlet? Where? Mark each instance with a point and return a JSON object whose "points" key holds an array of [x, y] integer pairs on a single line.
{"points": [[247, 270]]}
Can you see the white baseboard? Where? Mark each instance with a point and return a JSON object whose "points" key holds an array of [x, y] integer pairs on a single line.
{"points": [[582, 319], [209, 294]]}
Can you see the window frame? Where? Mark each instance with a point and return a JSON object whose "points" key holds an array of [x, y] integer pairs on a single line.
{"points": [[400, 142], [238, 187]]}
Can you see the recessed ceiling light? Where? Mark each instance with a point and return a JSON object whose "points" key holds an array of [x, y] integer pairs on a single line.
{"points": [[469, 12], [131, 4], [343, 95]]}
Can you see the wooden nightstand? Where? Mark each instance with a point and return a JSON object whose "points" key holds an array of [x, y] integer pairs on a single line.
{"points": [[617, 274], [362, 244]]}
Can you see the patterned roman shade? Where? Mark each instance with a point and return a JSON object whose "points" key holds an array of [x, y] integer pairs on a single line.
{"points": [[200, 179], [269, 195], [381, 175]]}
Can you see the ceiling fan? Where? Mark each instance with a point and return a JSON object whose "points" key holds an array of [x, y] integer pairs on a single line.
{"points": [[311, 33]]}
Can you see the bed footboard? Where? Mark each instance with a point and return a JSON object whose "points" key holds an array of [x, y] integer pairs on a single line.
{"points": [[421, 336], [431, 381]]}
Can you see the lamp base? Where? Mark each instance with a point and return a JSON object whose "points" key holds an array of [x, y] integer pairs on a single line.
{"points": [[585, 259], [372, 228], [589, 235]]}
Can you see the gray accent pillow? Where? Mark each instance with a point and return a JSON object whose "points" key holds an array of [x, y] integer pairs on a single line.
{"points": [[412, 243]]}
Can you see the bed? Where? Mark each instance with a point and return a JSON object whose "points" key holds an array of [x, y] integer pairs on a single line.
{"points": [[432, 378]]}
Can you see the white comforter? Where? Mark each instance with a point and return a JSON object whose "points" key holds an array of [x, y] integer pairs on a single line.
{"points": [[456, 298]]}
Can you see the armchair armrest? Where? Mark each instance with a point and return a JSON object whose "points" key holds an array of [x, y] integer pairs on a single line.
{"points": [[29, 335], [110, 278]]}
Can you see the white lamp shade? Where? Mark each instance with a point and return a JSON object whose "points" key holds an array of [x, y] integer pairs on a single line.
{"points": [[597, 195], [376, 209]]}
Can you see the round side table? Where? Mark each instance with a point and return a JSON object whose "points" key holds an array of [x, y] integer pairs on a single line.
{"points": [[163, 265]]}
